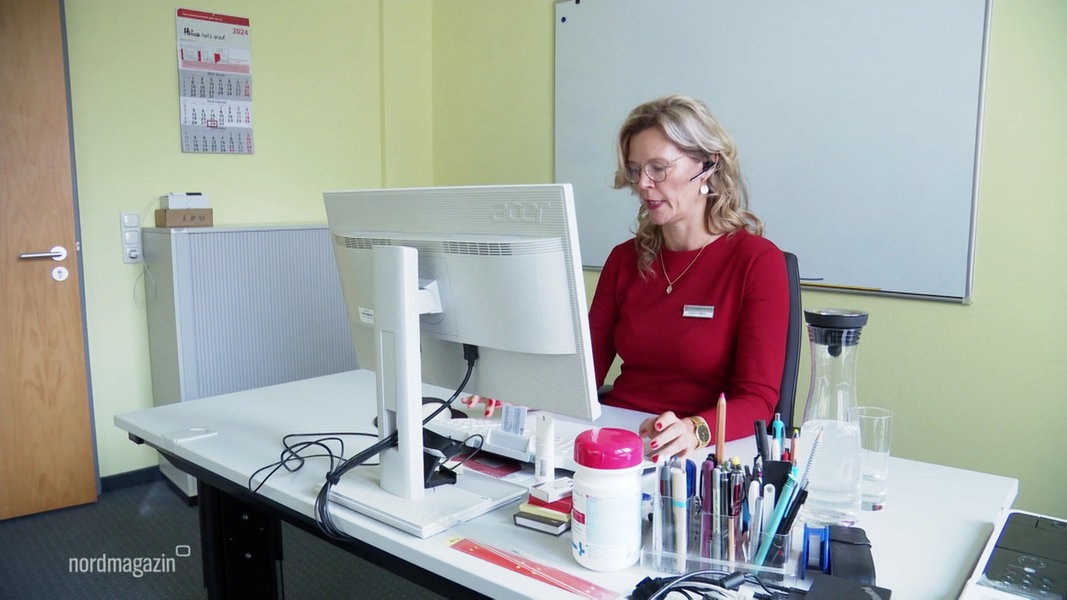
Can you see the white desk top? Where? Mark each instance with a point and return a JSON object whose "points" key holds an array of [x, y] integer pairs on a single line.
{"points": [[925, 543]]}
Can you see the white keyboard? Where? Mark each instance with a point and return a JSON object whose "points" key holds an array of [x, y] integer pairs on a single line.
{"points": [[487, 435], [519, 447]]}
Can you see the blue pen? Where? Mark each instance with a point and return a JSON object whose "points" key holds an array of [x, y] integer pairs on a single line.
{"points": [[690, 478], [776, 518]]}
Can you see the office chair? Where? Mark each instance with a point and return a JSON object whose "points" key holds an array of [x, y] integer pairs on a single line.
{"points": [[788, 392]]}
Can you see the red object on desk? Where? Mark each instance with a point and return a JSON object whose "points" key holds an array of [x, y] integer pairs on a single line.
{"points": [[539, 571], [562, 505]]}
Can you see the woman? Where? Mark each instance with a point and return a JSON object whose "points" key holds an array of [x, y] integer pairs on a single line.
{"points": [[696, 304]]}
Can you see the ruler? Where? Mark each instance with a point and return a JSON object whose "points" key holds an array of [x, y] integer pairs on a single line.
{"points": [[539, 571]]}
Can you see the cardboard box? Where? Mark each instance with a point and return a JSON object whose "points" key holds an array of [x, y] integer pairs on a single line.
{"points": [[184, 200], [187, 217]]}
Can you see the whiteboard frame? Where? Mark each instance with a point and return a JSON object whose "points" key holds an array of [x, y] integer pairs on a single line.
{"points": [[887, 92]]}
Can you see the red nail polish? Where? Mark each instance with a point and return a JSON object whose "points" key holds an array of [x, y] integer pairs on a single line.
{"points": [[659, 426], [653, 445], [655, 458]]}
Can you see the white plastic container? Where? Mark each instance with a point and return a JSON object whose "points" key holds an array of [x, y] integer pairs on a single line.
{"points": [[606, 514]]}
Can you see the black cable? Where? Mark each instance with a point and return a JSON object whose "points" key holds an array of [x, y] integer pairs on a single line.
{"points": [[474, 452], [322, 500], [698, 582], [292, 453]]}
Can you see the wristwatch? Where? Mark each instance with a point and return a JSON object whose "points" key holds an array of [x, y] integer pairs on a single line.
{"points": [[702, 431]]}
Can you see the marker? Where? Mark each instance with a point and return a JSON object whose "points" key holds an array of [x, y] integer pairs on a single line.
{"points": [[681, 520], [750, 499], [768, 503], [545, 450], [665, 491], [762, 444], [756, 528]]}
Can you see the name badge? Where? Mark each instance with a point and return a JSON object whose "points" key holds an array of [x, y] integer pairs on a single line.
{"points": [[698, 311]]}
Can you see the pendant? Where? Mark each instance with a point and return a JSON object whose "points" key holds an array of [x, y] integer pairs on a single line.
{"points": [[670, 288]]}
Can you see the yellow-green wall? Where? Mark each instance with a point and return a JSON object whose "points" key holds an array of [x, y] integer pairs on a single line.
{"points": [[356, 93]]}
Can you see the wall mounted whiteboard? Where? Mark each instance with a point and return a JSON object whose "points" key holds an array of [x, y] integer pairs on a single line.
{"points": [[858, 124]]}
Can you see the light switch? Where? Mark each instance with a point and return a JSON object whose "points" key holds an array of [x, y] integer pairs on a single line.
{"points": [[130, 226]]}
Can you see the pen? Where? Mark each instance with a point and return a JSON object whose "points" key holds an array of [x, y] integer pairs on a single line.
{"points": [[690, 478], [778, 428], [794, 508], [706, 478], [737, 487], [678, 504], [720, 427], [716, 513], [811, 460], [780, 508], [794, 447]]}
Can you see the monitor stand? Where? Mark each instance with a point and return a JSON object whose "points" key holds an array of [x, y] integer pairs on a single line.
{"points": [[394, 492], [436, 510]]}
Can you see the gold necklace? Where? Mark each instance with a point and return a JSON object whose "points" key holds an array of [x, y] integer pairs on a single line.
{"points": [[670, 284]]}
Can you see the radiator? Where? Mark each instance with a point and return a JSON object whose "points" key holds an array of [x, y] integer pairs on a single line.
{"points": [[231, 309]]}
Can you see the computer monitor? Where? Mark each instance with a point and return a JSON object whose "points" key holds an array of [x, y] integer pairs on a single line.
{"points": [[428, 270]]}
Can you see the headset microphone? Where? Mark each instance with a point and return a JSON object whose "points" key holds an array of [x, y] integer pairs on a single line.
{"points": [[708, 164]]}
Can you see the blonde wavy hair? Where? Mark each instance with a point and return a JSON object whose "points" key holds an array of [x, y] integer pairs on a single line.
{"points": [[689, 124]]}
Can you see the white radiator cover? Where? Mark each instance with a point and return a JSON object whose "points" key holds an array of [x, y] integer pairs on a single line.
{"points": [[231, 309]]}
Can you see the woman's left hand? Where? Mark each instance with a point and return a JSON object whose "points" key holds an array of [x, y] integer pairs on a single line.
{"points": [[669, 436]]}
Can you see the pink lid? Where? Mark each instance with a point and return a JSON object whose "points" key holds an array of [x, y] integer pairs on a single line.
{"points": [[608, 448]]}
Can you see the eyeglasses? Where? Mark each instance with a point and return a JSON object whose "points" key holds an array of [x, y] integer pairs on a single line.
{"points": [[656, 170]]}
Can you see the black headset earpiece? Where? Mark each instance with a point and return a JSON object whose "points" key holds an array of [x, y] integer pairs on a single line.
{"points": [[708, 164]]}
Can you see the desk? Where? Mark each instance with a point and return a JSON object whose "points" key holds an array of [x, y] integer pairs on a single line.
{"points": [[925, 543]]}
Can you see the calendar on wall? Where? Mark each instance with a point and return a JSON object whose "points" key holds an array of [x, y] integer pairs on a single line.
{"points": [[214, 82]]}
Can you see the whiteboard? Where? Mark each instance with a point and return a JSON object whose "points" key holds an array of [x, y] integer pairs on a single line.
{"points": [[858, 124]]}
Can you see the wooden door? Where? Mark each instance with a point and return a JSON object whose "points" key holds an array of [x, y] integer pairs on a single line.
{"points": [[47, 459]]}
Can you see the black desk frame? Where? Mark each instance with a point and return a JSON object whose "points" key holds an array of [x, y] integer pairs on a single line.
{"points": [[241, 541]]}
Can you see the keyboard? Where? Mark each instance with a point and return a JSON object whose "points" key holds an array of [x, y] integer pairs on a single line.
{"points": [[487, 435], [495, 440]]}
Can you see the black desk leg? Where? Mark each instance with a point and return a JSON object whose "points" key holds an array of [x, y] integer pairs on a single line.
{"points": [[241, 545]]}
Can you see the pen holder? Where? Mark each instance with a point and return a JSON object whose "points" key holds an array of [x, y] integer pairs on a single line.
{"points": [[732, 547], [721, 543], [670, 535], [722, 538], [779, 560]]}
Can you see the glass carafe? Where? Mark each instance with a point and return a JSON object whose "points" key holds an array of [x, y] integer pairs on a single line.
{"points": [[833, 471]]}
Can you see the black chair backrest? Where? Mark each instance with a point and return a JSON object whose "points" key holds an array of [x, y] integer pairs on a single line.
{"points": [[788, 393]]}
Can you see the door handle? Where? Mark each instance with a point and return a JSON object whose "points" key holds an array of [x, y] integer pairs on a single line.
{"points": [[57, 253]]}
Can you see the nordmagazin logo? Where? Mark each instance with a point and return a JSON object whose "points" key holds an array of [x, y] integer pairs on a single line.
{"points": [[136, 566]]}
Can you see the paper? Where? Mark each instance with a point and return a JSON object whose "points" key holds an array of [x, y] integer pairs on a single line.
{"points": [[215, 82]]}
